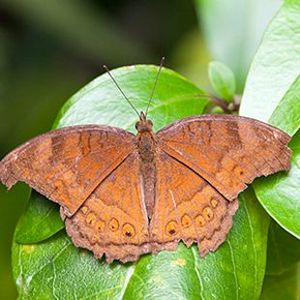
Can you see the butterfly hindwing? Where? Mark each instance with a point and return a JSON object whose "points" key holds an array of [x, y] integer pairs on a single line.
{"points": [[113, 220], [188, 208]]}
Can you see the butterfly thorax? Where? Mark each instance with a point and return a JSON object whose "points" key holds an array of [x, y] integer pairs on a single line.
{"points": [[147, 148]]}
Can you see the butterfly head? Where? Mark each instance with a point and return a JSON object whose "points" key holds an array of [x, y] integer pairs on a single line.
{"points": [[143, 125]]}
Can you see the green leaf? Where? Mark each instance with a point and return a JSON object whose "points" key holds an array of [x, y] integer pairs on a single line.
{"points": [[46, 220], [276, 64], [12, 205], [55, 268], [283, 286], [283, 250], [287, 113], [100, 102], [283, 267], [233, 30], [279, 194], [236, 270], [272, 93], [222, 80]]}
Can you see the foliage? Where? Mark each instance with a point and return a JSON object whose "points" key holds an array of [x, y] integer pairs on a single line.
{"points": [[233, 30], [222, 80], [283, 267], [276, 64], [257, 259]]}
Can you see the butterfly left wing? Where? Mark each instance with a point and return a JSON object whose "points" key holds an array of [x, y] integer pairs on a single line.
{"points": [[113, 220], [187, 208]]}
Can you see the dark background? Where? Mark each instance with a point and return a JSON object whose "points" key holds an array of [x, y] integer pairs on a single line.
{"points": [[50, 49]]}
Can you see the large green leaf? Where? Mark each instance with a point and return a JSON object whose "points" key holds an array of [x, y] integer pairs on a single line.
{"points": [[287, 113], [283, 266], [12, 204], [54, 268], [283, 250], [100, 102], [283, 286], [235, 271], [272, 94], [233, 30], [276, 64], [280, 194], [39, 221]]}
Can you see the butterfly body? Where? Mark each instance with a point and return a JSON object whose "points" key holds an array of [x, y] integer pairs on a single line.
{"points": [[146, 144], [125, 195]]}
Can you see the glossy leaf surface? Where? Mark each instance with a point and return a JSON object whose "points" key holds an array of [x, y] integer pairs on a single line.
{"points": [[280, 194], [283, 266], [272, 95], [233, 30], [276, 64]]}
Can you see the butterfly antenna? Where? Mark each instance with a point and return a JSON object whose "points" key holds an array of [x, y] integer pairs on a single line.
{"points": [[155, 83], [108, 71]]}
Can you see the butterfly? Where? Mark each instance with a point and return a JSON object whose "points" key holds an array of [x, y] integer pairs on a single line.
{"points": [[125, 195]]}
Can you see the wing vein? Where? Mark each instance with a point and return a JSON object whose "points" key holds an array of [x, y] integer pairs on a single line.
{"points": [[113, 170]]}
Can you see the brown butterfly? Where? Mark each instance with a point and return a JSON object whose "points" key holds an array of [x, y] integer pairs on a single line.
{"points": [[125, 195]]}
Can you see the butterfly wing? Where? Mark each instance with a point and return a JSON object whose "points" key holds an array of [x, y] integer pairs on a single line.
{"points": [[188, 208], [67, 164], [113, 219], [227, 151]]}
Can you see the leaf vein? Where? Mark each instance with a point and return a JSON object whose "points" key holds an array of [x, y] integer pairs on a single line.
{"points": [[253, 243], [234, 270], [196, 259]]}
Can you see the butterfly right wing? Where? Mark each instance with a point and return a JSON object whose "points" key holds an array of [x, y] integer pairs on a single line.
{"points": [[67, 164]]}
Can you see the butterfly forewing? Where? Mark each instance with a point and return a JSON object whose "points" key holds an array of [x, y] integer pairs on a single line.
{"points": [[67, 164], [227, 151]]}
